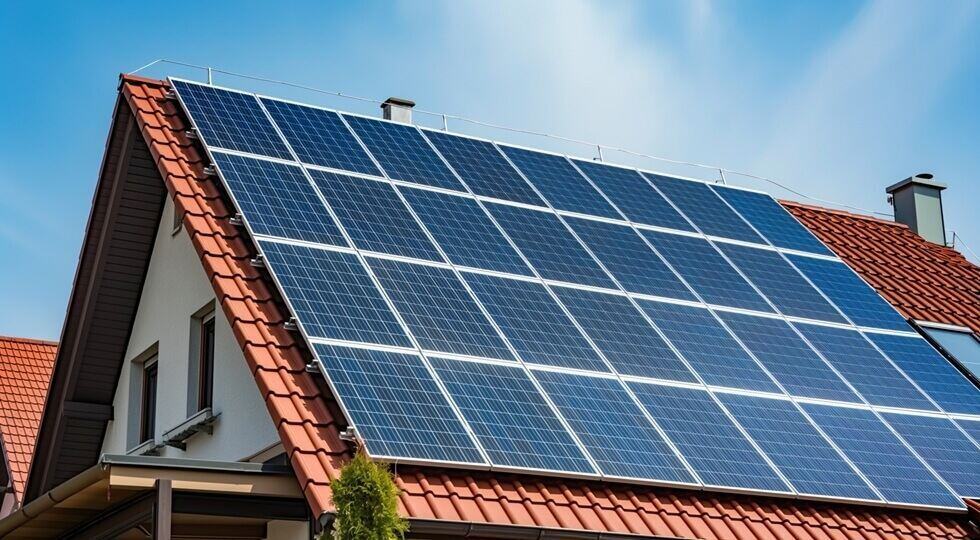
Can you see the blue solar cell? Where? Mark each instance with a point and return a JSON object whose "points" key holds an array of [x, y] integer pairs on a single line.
{"points": [[396, 405], [781, 283], [706, 271], [562, 185], [277, 200], [534, 323], [946, 449], [439, 310], [403, 153], [864, 367], [510, 417], [634, 196], [612, 428], [548, 245], [788, 358], [972, 427], [320, 137], [624, 336], [374, 217], [332, 295], [231, 120], [707, 438], [883, 459], [484, 169], [846, 290], [931, 371], [467, 235], [803, 455], [708, 346], [772, 220], [703, 207], [630, 259]]}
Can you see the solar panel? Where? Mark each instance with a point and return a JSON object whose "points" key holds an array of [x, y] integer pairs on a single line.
{"points": [[707, 438], [864, 367], [484, 168], [781, 283], [464, 231], [772, 220], [613, 428], [629, 259], [394, 402], [510, 417], [561, 184], [231, 120], [438, 309], [548, 245], [945, 448], [788, 358], [933, 373], [634, 196], [626, 339], [277, 199], [899, 476], [534, 323], [708, 212], [319, 137], [403, 153], [706, 271], [332, 295], [803, 455], [855, 298], [708, 347], [382, 240], [374, 217]]}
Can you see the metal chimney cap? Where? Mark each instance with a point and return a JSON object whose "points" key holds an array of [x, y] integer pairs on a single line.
{"points": [[398, 102], [922, 179]]}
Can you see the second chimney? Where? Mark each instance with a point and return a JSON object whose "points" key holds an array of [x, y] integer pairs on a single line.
{"points": [[918, 203], [398, 109]]}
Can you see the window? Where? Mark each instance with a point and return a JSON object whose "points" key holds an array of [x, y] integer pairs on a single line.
{"points": [[148, 409], [960, 344], [206, 360]]}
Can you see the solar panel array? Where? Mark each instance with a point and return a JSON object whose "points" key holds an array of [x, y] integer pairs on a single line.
{"points": [[499, 307]]}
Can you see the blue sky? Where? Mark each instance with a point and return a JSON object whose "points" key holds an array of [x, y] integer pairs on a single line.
{"points": [[836, 99]]}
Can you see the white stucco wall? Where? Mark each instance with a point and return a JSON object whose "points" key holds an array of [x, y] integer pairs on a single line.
{"points": [[176, 287]]}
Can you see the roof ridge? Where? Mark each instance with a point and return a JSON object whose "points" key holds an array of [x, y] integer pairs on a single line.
{"points": [[34, 341]]}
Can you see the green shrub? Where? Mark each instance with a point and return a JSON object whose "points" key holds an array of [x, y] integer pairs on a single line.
{"points": [[366, 500]]}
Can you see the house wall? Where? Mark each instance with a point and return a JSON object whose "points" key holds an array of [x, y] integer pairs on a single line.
{"points": [[176, 288]]}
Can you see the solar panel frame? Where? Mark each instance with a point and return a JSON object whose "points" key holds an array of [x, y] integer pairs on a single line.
{"points": [[425, 167], [865, 440], [780, 228], [247, 122], [413, 405], [951, 453], [323, 140], [374, 215]]}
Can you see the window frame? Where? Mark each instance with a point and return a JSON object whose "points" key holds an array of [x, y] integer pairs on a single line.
{"points": [[148, 405], [205, 361]]}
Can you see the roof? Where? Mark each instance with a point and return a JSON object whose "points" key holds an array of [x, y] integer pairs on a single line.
{"points": [[924, 281], [309, 421], [25, 369]]}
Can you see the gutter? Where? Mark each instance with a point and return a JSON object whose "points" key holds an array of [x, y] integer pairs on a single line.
{"points": [[51, 498], [437, 528]]}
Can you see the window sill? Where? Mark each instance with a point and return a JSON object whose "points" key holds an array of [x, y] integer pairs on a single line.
{"points": [[202, 421], [148, 448]]}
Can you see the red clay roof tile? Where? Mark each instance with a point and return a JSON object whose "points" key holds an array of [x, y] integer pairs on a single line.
{"points": [[25, 371], [310, 431]]}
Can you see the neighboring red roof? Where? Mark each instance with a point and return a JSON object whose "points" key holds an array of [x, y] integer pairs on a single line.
{"points": [[25, 371], [309, 422], [924, 281]]}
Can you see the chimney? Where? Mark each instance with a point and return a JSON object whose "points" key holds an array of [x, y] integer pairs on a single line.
{"points": [[398, 109], [918, 203]]}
